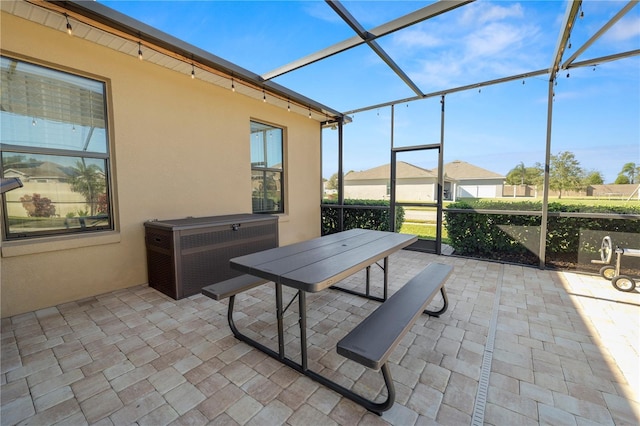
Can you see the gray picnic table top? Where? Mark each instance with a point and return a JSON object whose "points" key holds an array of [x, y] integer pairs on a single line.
{"points": [[316, 264]]}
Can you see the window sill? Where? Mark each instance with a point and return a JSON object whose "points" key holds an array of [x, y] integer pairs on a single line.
{"points": [[57, 243]]}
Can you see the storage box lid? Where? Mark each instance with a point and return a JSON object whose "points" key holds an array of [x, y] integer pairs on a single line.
{"points": [[197, 222]]}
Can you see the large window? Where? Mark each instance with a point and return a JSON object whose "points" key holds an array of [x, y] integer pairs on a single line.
{"points": [[54, 139], [267, 171]]}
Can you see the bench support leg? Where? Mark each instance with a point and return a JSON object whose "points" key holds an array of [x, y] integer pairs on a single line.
{"points": [[374, 407], [444, 307]]}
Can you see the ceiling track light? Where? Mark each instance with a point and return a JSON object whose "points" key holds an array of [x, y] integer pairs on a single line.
{"points": [[139, 50], [69, 27]]}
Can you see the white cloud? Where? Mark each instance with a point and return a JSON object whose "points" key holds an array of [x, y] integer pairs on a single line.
{"points": [[624, 30], [482, 12], [411, 38], [494, 39]]}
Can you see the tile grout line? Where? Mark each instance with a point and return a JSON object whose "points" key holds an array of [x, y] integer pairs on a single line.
{"points": [[487, 358]]}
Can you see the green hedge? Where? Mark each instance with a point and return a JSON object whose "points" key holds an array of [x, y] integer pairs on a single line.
{"points": [[377, 219], [497, 235]]}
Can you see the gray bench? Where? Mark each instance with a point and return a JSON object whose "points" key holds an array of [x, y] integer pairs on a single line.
{"points": [[232, 286], [229, 288], [372, 341]]}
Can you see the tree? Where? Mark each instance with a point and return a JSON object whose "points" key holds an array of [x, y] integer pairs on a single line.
{"points": [[332, 183], [622, 180], [521, 175], [631, 171], [593, 177], [90, 182], [520, 170], [565, 173]]}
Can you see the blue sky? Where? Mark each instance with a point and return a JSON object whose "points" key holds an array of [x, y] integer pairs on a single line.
{"points": [[596, 110]]}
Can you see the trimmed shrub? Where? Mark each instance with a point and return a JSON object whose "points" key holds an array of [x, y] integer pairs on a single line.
{"points": [[376, 219], [513, 237]]}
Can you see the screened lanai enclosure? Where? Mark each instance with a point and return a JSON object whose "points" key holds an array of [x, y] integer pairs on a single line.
{"points": [[524, 167], [502, 130]]}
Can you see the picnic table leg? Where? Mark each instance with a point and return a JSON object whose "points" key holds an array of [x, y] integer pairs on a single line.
{"points": [[370, 405], [302, 307], [368, 280], [386, 277], [279, 316]]}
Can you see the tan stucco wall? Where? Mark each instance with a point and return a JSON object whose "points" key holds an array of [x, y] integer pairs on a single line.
{"points": [[180, 147]]}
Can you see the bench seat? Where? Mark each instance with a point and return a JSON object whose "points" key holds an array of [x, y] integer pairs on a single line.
{"points": [[371, 342], [232, 286]]}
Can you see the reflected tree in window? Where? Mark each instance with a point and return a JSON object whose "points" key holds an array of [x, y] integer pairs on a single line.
{"points": [[89, 180]]}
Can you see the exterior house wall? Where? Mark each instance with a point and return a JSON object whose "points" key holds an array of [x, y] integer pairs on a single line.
{"points": [[408, 190], [376, 189], [179, 147], [366, 189]]}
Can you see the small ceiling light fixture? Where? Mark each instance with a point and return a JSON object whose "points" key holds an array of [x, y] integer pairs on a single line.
{"points": [[288, 105], [264, 96], [233, 85], [34, 122], [193, 71], [139, 50], [69, 27], [309, 112]]}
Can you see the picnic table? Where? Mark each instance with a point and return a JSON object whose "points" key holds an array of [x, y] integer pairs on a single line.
{"points": [[318, 264]]}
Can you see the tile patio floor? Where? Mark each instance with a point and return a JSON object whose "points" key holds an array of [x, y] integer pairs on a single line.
{"points": [[558, 348]]}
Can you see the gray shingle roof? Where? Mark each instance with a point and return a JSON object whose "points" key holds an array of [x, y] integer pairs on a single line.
{"points": [[403, 171], [462, 170], [454, 170]]}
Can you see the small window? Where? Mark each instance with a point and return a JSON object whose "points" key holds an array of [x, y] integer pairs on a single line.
{"points": [[267, 171], [54, 139]]}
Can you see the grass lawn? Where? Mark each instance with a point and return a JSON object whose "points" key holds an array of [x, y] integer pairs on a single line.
{"points": [[423, 230]]}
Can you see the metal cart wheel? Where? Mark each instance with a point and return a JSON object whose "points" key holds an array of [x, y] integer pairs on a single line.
{"points": [[608, 272], [606, 250], [624, 283]]}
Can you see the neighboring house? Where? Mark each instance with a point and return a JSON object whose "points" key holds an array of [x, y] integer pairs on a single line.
{"points": [[47, 179], [171, 133], [474, 181], [415, 184]]}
